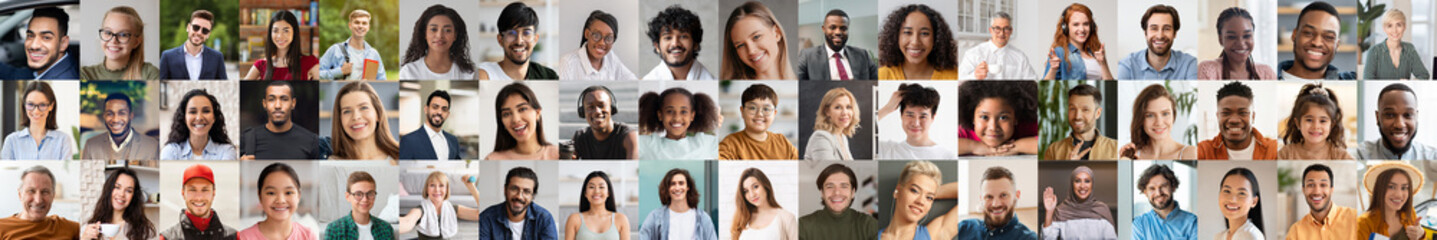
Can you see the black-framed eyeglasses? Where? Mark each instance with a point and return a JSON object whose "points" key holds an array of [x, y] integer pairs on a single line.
{"points": [[33, 106], [198, 28], [607, 39], [122, 37], [363, 195]]}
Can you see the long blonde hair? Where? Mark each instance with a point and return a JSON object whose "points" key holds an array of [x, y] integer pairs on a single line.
{"points": [[135, 66], [820, 122], [344, 147], [732, 67]]}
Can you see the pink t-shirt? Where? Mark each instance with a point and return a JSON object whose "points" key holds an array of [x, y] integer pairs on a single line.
{"points": [[299, 232]]}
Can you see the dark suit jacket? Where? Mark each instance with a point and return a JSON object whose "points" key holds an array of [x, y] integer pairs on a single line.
{"points": [[68, 68], [415, 145], [172, 64], [813, 64]]}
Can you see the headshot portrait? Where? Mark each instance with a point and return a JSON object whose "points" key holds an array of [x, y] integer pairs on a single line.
{"points": [[840, 127], [1163, 200], [1330, 202], [1002, 196], [358, 124], [280, 120], [46, 33], [119, 120], [761, 122], [1390, 121], [284, 193], [602, 194], [675, 35], [1319, 125], [443, 111], [43, 121], [1230, 47], [204, 29], [758, 39], [597, 40], [685, 190], [602, 123], [47, 198], [207, 198], [679, 121], [998, 119], [847, 191], [1240, 122], [922, 196], [1238, 199], [431, 188], [119, 50], [1158, 126], [366, 46], [119, 202], [1077, 120], [761, 191], [1079, 200], [919, 26], [437, 27], [288, 52], [518, 118], [525, 190], [842, 27]]}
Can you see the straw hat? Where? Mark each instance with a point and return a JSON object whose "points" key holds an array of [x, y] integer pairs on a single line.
{"points": [[1369, 179]]}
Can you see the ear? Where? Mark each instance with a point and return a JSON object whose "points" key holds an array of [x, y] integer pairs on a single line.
{"points": [[1099, 111], [64, 43]]}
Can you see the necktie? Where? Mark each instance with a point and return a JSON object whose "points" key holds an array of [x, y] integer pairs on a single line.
{"points": [[837, 61]]}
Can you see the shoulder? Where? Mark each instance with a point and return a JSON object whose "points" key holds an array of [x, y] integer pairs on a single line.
{"points": [[173, 51]]}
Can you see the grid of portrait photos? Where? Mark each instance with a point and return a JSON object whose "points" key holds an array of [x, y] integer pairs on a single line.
{"points": [[717, 119]]}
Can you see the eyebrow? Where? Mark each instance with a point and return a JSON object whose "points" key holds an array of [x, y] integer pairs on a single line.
{"points": [[523, 104], [1314, 27]]}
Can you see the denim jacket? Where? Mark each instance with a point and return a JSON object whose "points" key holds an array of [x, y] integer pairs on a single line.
{"points": [[1072, 67], [656, 225], [538, 224], [333, 59]]}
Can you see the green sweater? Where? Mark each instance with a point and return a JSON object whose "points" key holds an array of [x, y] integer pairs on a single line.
{"points": [[1379, 64], [823, 224]]}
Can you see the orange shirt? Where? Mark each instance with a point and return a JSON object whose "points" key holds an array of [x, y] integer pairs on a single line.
{"points": [[52, 227], [738, 146], [1371, 222], [1341, 224]]}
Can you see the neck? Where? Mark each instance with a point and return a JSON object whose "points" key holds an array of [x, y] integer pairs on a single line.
{"points": [[197, 144], [515, 71], [438, 60], [26, 216], [999, 45], [117, 65], [759, 135], [206, 215], [1158, 61], [117, 217], [1086, 136], [900, 225], [1394, 43], [1321, 216], [356, 42], [673, 136], [598, 208], [1240, 145], [1298, 70], [435, 128], [279, 128], [368, 149], [918, 140], [681, 72], [276, 226], [1163, 213], [359, 218], [917, 70], [192, 48], [679, 206], [37, 131], [1390, 213], [1234, 223], [121, 138], [1235, 64], [596, 61], [516, 217], [527, 147], [602, 132]]}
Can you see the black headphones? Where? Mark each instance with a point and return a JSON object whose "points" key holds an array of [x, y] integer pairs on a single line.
{"points": [[613, 108]]}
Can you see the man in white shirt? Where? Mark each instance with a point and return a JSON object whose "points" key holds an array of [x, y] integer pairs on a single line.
{"points": [[995, 59], [676, 34], [431, 141], [836, 60], [593, 61]]}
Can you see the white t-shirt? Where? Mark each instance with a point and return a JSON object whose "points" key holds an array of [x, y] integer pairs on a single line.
{"points": [[517, 228], [1094, 71], [1244, 154], [681, 225], [901, 150], [417, 70], [364, 233]]}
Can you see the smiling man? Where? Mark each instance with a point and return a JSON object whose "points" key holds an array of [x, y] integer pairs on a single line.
{"points": [[37, 193], [835, 59], [604, 138], [1397, 121], [1237, 140], [999, 195], [279, 137], [1324, 220], [680, 218], [122, 142], [1166, 220], [518, 218], [1314, 42], [47, 42], [431, 141], [1085, 106], [346, 60], [837, 220], [593, 60], [198, 220], [995, 59], [676, 34], [519, 33], [1158, 62], [359, 224], [193, 60]]}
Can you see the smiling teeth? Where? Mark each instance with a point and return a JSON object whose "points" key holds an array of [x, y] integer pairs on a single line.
{"points": [[1315, 53]]}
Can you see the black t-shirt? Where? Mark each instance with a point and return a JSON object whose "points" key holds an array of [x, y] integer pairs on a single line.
{"points": [[297, 143], [588, 147]]}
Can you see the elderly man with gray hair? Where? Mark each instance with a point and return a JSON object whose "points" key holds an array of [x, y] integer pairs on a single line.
{"points": [[994, 59], [37, 192]]}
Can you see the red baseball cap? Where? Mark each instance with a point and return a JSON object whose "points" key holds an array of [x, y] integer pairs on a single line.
{"points": [[198, 171]]}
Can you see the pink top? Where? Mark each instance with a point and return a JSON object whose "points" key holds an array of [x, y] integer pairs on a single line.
{"points": [[1212, 70], [299, 232]]}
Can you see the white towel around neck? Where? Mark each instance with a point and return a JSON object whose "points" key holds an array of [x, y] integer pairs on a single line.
{"points": [[433, 224]]}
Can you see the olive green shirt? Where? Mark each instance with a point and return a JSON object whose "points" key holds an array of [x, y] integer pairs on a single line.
{"points": [[98, 72], [849, 225]]}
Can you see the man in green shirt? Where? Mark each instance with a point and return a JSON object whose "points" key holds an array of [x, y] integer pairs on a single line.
{"points": [[836, 220], [359, 224]]}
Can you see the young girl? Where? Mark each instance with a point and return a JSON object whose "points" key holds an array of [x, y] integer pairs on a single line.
{"points": [[998, 118], [676, 124], [1314, 129], [279, 193]]}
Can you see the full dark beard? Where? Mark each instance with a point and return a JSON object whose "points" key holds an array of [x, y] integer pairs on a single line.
{"points": [[1000, 220], [435, 123], [685, 62], [1164, 205]]}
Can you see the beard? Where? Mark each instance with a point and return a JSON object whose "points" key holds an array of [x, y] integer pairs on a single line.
{"points": [[517, 210], [995, 221], [436, 123], [836, 46], [1165, 204], [687, 59]]}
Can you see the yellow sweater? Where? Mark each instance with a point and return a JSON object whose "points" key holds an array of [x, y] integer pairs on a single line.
{"points": [[738, 146]]}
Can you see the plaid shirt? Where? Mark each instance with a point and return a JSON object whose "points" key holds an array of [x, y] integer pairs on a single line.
{"points": [[345, 228]]}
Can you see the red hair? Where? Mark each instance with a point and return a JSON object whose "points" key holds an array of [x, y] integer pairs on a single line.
{"points": [[1060, 36]]}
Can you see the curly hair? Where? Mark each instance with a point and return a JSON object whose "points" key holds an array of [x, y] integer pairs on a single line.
{"points": [[675, 18], [691, 197], [732, 67], [945, 49], [179, 130], [1022, 96], [458, 50], [1139, 137], [820, 120], [705, 111], [1314, 95]]}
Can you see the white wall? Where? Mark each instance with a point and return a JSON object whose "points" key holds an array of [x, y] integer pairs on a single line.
{"points": [[709, 49], [783, 175], [1206, 205], [1033, 27], [227, 191], [546, 93], [226, 92], [1132, 38], [1367, 112]]}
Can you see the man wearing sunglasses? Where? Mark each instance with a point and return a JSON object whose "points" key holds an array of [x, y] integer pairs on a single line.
{"points": [[346, 60], [359, 223], [194, 61], [593, 60], [47, 41]]}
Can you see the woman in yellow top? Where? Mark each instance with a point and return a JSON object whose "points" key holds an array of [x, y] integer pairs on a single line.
{"points": [[1390, 215], [916, 44], [756, 48]]}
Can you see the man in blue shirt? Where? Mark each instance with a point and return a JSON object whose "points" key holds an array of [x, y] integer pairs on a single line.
{"points": [[1166, 220], [1158, 61], [517, 218], [1000, 195], [345, 60]]}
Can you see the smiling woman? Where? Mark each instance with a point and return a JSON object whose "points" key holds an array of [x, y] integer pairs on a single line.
{"points": [[757, 48], [521, 126], [123, 39], [361, 125]]}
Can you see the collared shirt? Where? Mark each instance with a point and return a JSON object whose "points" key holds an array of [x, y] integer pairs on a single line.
{"points": [[1180, 66], [1179, 225], [1377, 150], [20, 145], [52, 66], [1072, 66], [976, 229], [696, 72], [576, 66], [114, 146], [538, 224], [1332, 73], [1341, 224], [212, 151], [833, 66], [1004, 63], [346, 228], [436, 139], [193, 63]]}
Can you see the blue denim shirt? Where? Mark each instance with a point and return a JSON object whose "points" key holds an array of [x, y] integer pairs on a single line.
{"points": [[1180, 66], [975, 229], [333, 59], [20, 146], [656, 225], [1179, 225], [1070, 69], [1332, 72], [213, 151], [538, 224]]}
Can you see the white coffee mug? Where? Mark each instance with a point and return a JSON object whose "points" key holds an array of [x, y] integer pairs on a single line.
{"points": [[109, 230]]}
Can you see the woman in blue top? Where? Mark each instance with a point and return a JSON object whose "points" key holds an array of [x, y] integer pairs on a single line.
{"points": [[39, 139], [918, 186], [1077, 53], [198, 130]]}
